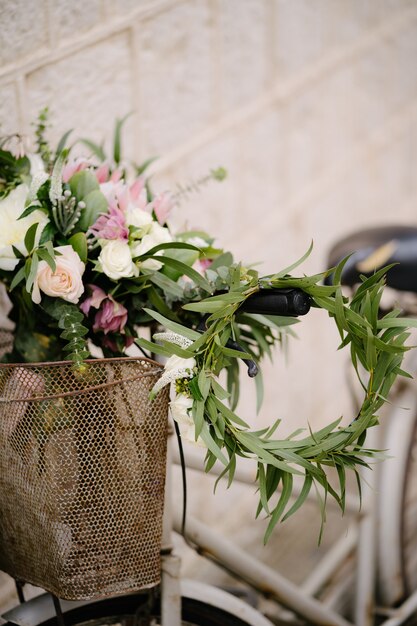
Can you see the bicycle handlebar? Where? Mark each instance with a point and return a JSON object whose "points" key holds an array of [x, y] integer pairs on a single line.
{"points": [[288, 302], [292, 302]]}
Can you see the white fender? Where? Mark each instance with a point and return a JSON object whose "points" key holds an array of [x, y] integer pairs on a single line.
{"points": [[222, 600]]}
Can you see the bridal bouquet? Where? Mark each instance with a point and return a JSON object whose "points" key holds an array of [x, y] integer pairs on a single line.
{"points": [[87, 257]]}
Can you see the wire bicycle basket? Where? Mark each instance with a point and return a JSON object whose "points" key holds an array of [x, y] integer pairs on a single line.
{"points": [[82, 476]]}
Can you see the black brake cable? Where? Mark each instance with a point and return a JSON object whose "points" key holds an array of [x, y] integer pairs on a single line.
{"points": [[189, 543]]}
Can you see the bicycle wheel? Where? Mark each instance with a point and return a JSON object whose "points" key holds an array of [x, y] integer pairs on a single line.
{"points": [[141, 610], [397, 542], [409, 518]]}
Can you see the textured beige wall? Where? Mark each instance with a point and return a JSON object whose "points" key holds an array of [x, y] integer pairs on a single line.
{"points": [[310, 105]]}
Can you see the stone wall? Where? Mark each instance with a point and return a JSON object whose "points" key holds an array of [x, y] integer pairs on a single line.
{"points": [[311, 105]]}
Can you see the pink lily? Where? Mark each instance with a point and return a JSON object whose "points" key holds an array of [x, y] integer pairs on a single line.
{"points": [[111, 225], [73, 167], [162, 205]]}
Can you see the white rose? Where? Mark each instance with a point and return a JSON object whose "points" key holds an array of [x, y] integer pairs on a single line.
{"points": [[13, 230], [66, 282], [158, 234], [180, 407], [140, 219], [116, 261]]}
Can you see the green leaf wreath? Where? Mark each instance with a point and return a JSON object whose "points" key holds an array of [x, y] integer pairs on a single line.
{"points": [[376, 344]]}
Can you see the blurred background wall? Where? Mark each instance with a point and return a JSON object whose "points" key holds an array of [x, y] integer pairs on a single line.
{"points": [[311, 105]]}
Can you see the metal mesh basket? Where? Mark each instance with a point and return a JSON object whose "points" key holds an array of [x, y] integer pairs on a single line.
{"points": [[82, 474]]}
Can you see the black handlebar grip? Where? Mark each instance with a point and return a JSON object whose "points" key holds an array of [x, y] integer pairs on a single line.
{"points": [[291, 302]]}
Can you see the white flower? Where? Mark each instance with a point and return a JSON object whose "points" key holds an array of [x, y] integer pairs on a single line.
{"points": [[175, 338], [36, 163], [140, 219], [188, 434], [180, 410], [177, 363], [157, 234], [13, 230], [198, 242], [180, 407], [116, 261], [175, 367], [66, 282]]}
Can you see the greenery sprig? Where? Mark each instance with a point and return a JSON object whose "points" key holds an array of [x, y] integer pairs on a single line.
{"points": [[377, 344]]}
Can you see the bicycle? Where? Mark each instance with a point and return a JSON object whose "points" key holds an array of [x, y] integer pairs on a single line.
{"points": [[204, 605]]}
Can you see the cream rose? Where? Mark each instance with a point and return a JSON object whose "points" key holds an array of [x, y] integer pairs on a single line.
{"points": [[66, 282], [13, 230], [158, 234], [116, 260]]}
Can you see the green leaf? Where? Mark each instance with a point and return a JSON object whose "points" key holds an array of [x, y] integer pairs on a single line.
{"points": [[170, 325], [287, 482], [167, 285], [235, 353], [95, 205], [45, 255], [31, 209], [198, 415], [62, 142], [288, 269], [95, 148], [308, 481], [18, 277], [228, 413], [17, 253], [160, 304], [184, 269], [204, 383], [212, 445], [188, 257], [79, 244], [259, 391], [140, 169], [117, 149], [153, 347], [204, 306], [30, 237], [82, 183], [48, 234], [32, 274], [397, 322], [224, 260]]}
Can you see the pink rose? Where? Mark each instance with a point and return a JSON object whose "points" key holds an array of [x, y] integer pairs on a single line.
{"points": [[66, 282]]}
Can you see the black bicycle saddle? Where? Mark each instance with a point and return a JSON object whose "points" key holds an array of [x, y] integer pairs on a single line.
{"points": [[375, 248]]}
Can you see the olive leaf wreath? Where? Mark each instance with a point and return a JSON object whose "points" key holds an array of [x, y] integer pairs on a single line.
{"points": [[376, 343]]}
